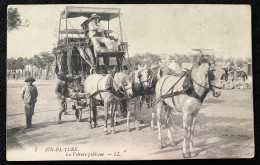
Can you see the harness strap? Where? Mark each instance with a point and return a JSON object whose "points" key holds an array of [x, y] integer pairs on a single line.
{"points": [[97, 92], [98, 89]]}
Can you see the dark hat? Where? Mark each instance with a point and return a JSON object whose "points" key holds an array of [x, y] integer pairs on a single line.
{"points": [[94, 16], [29, 79]]}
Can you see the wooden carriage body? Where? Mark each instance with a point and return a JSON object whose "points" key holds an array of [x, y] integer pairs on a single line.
{"points": [[74, 52]]}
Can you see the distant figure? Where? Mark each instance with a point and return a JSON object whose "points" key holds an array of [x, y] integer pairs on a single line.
{"points": [[29, 96], [96, 33], [16, 77], [13, 75]]}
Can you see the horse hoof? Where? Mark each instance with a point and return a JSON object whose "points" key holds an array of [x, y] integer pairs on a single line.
{"points": [[114, 132], [90, 126], [105, 132], [192, 154], [95, 125], [185, 155], [117, 123], [160, 145]]}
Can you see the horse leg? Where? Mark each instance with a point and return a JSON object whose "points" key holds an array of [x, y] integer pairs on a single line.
{"points": [[152, 120], [128, 115], [106, 116], [80, 115], [167, 119], [116, 122], [136, 110], [95, 116], [90, 110], [159, 111], [153, 113], [185, 152], [143, 98], [192, 128], [164, 111], [113, 111]]}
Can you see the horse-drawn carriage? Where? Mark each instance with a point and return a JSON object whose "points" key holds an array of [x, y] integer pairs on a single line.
{"points": [[75, 53]]}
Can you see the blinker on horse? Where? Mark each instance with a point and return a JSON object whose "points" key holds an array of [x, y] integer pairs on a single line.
{"points": [[203, 79]]}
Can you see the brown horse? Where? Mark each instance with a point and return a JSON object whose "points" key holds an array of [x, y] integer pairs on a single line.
{"points": [[95, 91], [170, 93], [240, 73]]}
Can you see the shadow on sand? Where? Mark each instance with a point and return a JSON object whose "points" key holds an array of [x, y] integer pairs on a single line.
{"points": [[225, 139]]}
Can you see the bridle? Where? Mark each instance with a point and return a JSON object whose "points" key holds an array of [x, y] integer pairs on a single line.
{"points": [[149, 80], [211, 77]]}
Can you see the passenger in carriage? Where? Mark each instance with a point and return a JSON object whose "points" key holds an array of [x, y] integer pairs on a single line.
{"points": [[96, 33]]}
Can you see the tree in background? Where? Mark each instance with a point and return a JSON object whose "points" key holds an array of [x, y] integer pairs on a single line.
{"points": [[43, 61], [47, 58], [239, 62], [220, 59], [13, 19], [230, 60], [145, 59]]}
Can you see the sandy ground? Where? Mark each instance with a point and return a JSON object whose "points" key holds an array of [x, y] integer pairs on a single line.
{"points": [[224, 129]]}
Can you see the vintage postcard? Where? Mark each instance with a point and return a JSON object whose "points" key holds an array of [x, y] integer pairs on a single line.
{"points": [[129, 82]]}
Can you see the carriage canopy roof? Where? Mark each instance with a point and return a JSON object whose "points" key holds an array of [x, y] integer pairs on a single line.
{"points": [[105, 13]]}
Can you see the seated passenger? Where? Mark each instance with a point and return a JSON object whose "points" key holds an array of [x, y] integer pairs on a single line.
{"points": [[96, 33]]}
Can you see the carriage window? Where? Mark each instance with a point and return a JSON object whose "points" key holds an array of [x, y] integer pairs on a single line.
{"points": [[112, 61]]}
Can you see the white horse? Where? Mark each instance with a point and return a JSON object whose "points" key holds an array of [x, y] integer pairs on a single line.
{"points": [[203, 78], [95, 90]]}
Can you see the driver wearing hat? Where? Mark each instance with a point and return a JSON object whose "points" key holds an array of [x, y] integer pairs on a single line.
{"points": [[96, 33], [29, 96]]}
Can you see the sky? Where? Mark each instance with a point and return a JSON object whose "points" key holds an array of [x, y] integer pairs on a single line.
{"points": [[159, 29]]}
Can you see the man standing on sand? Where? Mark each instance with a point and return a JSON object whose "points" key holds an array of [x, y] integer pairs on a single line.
{"points": [[62, 91], [29, 96]]}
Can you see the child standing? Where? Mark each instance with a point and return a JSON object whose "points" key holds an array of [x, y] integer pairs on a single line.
{"points": [[29, 96]]}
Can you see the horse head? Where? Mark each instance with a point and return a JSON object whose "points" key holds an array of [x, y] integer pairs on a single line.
{"points": [[123, 83], [214, 78], [207, 77]]}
